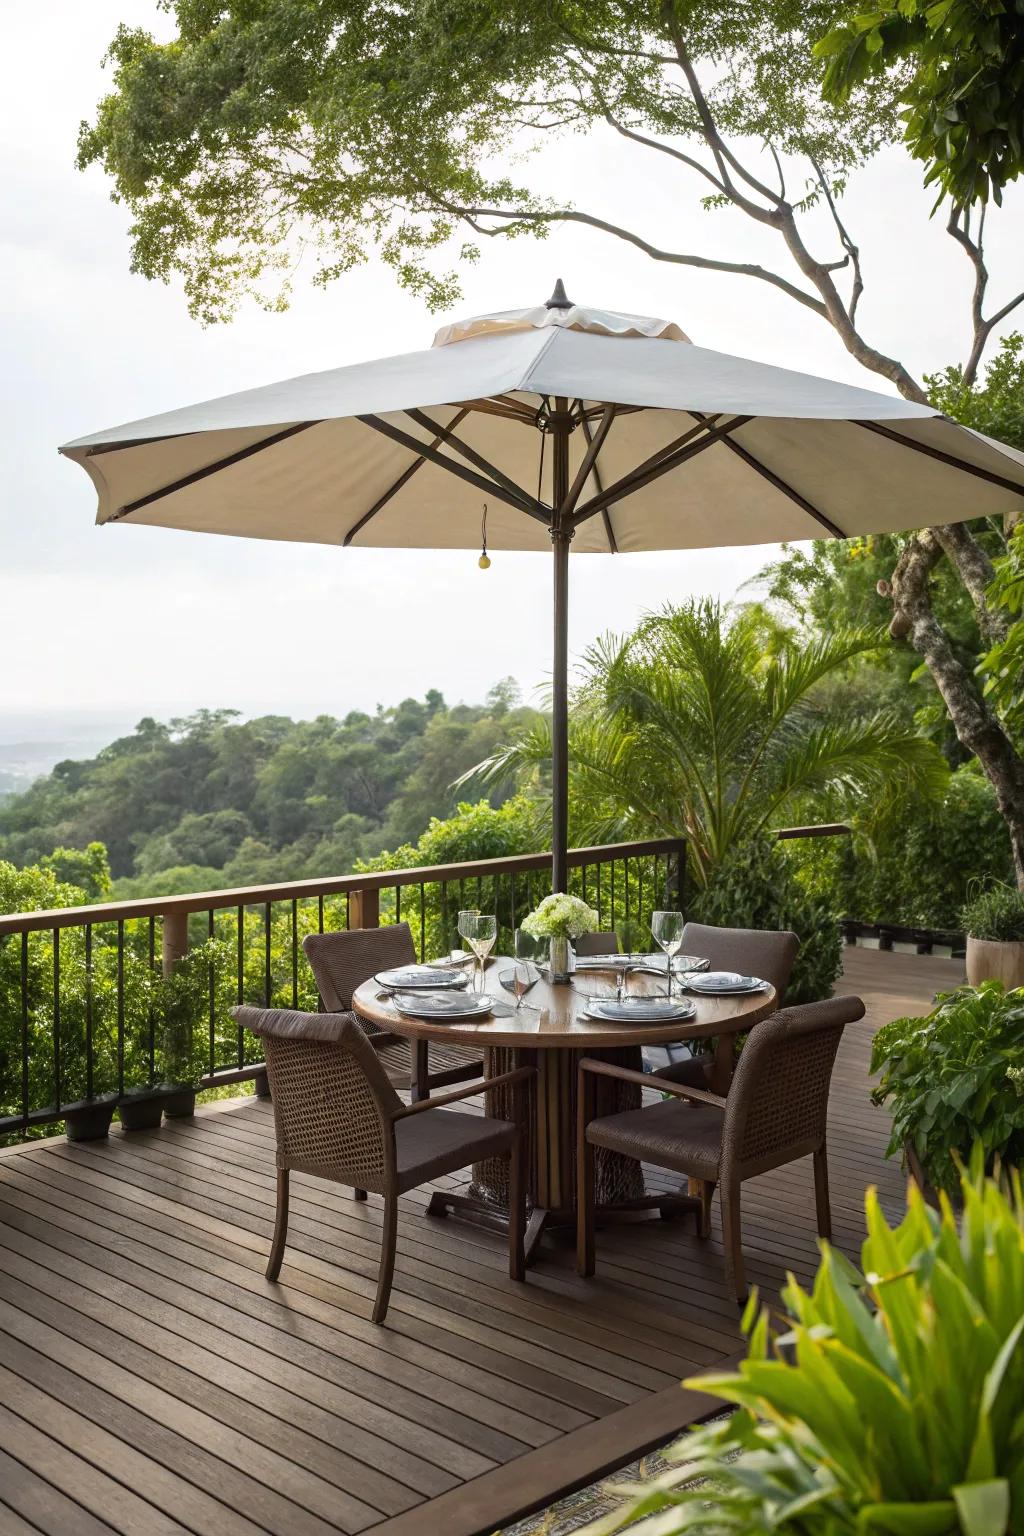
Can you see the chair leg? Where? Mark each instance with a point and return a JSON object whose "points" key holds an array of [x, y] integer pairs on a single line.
{"points": [[419, 1082], [389, 1237], [516, 1211], [585, 1260], [821, 1199], [280, 1226], [733, 1238], [359, 1194], [705, 1193]]}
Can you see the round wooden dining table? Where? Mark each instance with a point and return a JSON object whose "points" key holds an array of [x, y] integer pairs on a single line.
{"points": [[551, 1037]]}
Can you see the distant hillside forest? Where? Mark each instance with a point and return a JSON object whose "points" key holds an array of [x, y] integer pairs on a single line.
{"points": [[213, 800]]}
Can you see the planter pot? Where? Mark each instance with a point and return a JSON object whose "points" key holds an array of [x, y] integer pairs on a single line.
{"points": [[559, 959], [990, 960], [142, 1110], [179, 1103], [89, 1119]]}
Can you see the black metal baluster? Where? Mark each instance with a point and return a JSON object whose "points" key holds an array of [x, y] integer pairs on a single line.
{"points": [[24, 1031], [240, 960], [295, 953], [423, 922], [446, 921], [398, 905], [639, 892], [613, 894], [120, 1006], [89, 1085], [348, 911], [320, 914], [150, 1015], [267, 978], [56, 1018], [625, 881], [212, 985]]}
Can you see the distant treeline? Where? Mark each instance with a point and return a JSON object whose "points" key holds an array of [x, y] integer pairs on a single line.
{"points": [[212, 800]]}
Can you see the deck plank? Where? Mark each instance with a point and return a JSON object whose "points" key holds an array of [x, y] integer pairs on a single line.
{"points": [[152, 1381]]}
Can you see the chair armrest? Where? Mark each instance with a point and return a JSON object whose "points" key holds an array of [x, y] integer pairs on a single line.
{"points": [[647, 1080], [520, 1075]]}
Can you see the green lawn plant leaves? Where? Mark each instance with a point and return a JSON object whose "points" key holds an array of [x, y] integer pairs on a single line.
{"points": [[889, 1403]]}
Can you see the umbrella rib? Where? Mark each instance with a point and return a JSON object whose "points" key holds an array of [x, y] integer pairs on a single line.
{"points": [[781, 485], [659, 464], [471, 456], [403, 478], [594, 446], [605, 511], [461, 471], [943, 457], [211, 469]]}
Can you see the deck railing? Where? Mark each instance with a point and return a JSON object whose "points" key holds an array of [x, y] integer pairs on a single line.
{"points": [[103, 1002]]}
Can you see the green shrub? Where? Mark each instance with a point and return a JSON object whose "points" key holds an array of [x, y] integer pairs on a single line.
{"points": [[953, 1078], [920, 866], [996, 912], [756, 887], [888, 1406]]}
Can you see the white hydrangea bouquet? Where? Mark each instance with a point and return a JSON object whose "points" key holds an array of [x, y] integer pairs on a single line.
{"points": [[560, 918]]}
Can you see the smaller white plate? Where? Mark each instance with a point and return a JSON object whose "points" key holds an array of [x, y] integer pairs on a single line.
{"points": [[639, 1010], [725, 983], [413, 977], [418, 1005]]}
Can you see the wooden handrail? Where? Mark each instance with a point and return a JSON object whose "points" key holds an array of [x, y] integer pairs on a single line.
{"points": [[371, 880]]}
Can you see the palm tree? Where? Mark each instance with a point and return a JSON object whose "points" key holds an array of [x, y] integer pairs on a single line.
{"points": [[703, 723]]}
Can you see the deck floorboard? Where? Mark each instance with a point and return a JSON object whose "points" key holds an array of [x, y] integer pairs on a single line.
{"points": [[152, 1381]]}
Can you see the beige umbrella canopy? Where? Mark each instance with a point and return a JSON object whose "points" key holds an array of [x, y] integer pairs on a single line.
{"points": [[574, 426]]}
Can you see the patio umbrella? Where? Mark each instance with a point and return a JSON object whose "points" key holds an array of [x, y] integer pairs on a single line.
{"points": [[546, 428]]}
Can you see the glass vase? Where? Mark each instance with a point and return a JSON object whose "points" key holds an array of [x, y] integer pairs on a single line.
{"points": [[558, 959]]}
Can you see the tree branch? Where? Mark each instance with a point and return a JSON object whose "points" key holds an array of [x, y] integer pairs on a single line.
{"points": [[666, 149], [511, 218], [852, 251]]}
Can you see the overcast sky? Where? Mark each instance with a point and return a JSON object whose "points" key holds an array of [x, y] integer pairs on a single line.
{"points": [[141, 620]]}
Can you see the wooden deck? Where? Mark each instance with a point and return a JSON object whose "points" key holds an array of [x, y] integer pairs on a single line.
{"points": [[152, 1381]]}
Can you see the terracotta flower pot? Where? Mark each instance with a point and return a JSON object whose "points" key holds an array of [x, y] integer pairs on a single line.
{"points": [[992, 960]]}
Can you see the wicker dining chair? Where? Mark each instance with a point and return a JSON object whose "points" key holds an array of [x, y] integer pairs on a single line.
{"points": [[606, 943], [338, 1117], [759, 952], [775, 1112], [342, 961]]}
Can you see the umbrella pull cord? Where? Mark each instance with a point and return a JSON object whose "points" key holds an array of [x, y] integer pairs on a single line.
{"points": [[485, 560]]}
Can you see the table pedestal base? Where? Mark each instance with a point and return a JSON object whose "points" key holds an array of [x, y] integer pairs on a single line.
{"points": [[551, 1139]]}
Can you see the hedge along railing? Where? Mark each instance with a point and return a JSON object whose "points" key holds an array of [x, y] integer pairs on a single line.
{"points": [[99, 1002]]}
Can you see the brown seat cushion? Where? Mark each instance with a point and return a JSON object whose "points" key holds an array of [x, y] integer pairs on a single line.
{"points": [[437, 1141], [683, 1137], [692, 1071]]}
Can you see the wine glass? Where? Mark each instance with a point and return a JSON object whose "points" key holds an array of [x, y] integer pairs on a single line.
{"points": [[479, 931], [521, 977], [667, 929]]}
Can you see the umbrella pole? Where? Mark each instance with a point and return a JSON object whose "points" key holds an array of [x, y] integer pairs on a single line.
{"points": [[560, 540]]}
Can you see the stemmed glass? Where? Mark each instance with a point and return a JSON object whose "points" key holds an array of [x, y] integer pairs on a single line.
{"points": [[479, 931], [520, 979], [667, 929]]}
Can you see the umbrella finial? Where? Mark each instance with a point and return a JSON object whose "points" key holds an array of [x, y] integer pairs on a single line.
{"points": [[559, 299]]}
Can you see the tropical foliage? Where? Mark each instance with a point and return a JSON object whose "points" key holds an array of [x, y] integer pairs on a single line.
{"points": [[963, 91], [954, 1078], [211, 800], [995, 912], [758, 886], [700, 722], [888, 1405]]}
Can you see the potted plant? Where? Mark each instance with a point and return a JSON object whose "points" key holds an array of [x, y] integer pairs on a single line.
{"points": [[178, 1001], [561, 918], [880, 1406], [953, 1078], [994, 923]]}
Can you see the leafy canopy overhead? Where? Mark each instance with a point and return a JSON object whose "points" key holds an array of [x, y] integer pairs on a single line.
{"points": [[349, 126], [964, 109]]}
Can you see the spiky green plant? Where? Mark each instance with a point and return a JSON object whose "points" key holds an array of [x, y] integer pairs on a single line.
{"points": [[891, 1405]]}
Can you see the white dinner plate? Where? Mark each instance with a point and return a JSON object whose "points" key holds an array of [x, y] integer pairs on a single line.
{"points": [[410, 978], [639, 1010], [422, 1005], [725, 984]]}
